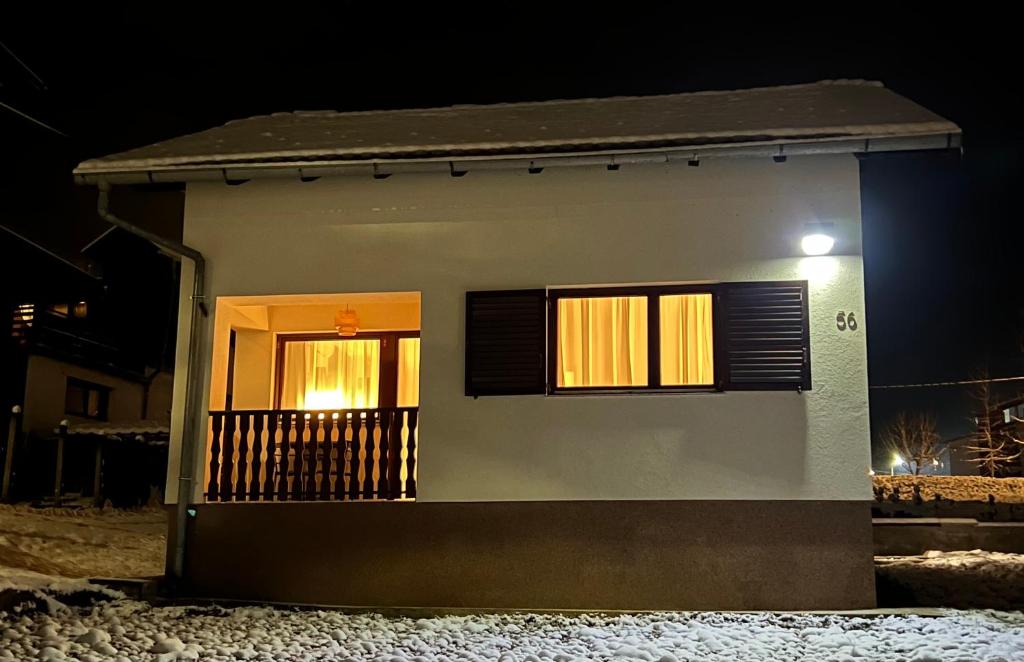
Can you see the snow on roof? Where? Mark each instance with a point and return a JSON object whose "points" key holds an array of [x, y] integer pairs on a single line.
{"points": [[826, 110], [150, 430]]}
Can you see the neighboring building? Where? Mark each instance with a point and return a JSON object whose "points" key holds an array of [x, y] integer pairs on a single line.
{"points": [[72, 352], [676, 412]]}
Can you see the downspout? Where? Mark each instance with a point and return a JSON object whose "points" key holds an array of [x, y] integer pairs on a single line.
{"points": [[193, 376]]}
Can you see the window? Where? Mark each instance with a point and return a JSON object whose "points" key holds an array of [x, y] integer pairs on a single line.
{"points": [[602, 342], [686, 338], [77, 310], [370, 370], [722, 336], [633, 339], [86, 399]]}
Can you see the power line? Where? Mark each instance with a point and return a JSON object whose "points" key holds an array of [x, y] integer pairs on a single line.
{"points": [[39, 81], [961, 382], [32, 119]]}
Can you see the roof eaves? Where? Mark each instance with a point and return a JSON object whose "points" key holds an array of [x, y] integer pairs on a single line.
{"points": [[949, 137]]}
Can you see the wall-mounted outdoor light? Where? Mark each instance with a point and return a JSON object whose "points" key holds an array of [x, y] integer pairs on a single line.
{"points": [[818, 239]]}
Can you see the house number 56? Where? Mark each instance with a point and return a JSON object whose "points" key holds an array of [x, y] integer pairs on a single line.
{"points": [[846, 321]]}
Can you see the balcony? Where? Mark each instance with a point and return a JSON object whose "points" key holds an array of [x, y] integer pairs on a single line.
{"points": [[293, 455]]}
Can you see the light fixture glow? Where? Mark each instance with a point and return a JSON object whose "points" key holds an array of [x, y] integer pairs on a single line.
{"points": [[818, 239], [817, 244], [346, 322]]}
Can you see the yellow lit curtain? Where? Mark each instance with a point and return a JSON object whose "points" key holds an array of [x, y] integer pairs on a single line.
{"points": [[687, 356], [408, 372], [331, 374], [602, 341]]}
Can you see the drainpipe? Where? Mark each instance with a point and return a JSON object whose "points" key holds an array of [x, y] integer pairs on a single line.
{"points": [[193, 376]]}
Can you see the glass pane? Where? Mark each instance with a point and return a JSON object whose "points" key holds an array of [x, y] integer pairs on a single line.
{"points": [[687, 353], [331, 374], [93, 404], [602, 341], [408, 372], [74, 400]]}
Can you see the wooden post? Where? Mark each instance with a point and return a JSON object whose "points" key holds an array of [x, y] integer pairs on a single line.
{"points": [[59, 471], [97, 475], [12, 437]]}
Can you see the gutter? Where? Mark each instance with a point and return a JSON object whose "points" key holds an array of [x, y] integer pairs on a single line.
{"points": [[234, 172], [193, 376]]}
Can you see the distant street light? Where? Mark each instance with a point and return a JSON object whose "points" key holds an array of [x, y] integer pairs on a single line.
{"points": [[897, 460]]}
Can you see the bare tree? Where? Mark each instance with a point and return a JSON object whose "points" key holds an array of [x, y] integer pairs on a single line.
{"points": [[914, 440], [990, 445]]}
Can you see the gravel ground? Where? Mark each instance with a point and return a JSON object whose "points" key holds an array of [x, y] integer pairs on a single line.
{"points": [[115, 629]]}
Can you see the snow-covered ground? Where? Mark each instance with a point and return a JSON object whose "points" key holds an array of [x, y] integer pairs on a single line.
{"points": [[71, 619], [125, 630], [83, 543], [953, 579], [953, 488]]}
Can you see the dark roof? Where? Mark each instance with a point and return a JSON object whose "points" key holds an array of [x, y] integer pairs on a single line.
{"points": [[826, 110]]}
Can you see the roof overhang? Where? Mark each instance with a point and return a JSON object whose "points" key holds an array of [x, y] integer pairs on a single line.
{"points": [[314, 168]]}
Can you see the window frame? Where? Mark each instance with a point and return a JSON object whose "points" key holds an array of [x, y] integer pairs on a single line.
{"points": [[652, 293], [103, 393], [387, 389]]}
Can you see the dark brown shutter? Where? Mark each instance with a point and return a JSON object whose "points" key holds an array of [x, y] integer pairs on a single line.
{"points": [[505, 333], [767, 336]]}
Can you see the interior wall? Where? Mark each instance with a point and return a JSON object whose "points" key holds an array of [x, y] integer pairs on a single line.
{"points": [[257, 325], [732, 219], [254, 369]]}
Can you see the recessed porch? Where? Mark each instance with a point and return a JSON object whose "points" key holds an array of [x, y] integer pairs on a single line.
{"points": [[314, 398]]}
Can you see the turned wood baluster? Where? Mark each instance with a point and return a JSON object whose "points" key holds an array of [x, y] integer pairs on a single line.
{"points": [[213, 489], [325, 459], [301, 425], [353, 463], [243, 456], [339, 460], [371, 425], [311, 454], [410, 481], [227, 465], [395, 455], [283, 469], [271, 463], [383, 487], [257, 456]]}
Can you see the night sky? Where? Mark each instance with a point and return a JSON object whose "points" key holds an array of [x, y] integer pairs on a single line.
{"points": [[943, 240]]}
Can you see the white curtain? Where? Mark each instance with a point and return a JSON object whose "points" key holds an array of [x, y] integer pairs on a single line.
{"points": [[408, 372], [687, 356], [602, 341], [331, 374]]}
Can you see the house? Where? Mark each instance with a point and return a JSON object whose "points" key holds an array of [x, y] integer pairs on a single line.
{"points": [[70, 358], [570, 354]]}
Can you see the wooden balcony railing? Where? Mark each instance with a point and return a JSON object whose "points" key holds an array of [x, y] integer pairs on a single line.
{"points": [[290, 455]]}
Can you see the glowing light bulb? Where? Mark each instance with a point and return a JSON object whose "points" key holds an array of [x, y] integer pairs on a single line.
{"points": [[817, 244]]}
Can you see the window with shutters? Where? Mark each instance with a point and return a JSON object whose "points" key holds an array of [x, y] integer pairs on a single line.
{"points": [[723, 336], [632, 339]]}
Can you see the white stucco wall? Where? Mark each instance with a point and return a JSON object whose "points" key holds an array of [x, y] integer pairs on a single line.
{"points": [[728, 220]]}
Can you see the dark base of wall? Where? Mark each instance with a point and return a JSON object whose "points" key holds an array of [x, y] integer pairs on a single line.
{"points": [[673, 555]]}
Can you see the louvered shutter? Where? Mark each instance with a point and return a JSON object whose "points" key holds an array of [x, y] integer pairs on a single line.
{"points": [[505, 333], [766, 336]]}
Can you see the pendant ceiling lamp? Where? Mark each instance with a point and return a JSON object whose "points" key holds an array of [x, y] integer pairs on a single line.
{"points": [[346, 322]]}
